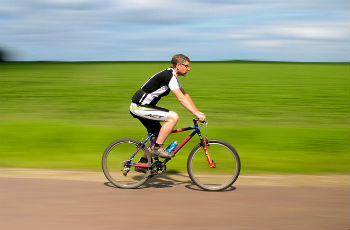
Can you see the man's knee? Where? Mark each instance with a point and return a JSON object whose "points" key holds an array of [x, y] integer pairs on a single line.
{"points": [[173, 116]]}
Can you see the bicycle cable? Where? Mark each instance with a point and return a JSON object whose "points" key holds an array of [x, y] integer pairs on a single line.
{"points": [[143, 137], [206, 129]]}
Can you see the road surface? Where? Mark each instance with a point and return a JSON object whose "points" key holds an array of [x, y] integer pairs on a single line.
{"points": [[48, 199]]}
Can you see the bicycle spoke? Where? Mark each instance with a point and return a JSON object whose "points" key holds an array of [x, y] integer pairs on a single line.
{"points": [[118, 168], [221, 176]]}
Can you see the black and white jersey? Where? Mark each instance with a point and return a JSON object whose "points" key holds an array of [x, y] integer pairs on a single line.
{"points": [[157, 86]]}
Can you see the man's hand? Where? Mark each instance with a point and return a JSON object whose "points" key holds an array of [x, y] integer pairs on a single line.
{"points": [[201, 117]]}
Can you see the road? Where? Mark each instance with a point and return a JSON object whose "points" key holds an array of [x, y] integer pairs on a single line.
{"points": [[68, 200]]}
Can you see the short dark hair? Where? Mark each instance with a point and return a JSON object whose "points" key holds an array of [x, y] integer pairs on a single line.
{"points": [[178, 58]]}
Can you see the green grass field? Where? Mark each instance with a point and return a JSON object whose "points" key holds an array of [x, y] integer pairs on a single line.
{"points": [[280, 117]]}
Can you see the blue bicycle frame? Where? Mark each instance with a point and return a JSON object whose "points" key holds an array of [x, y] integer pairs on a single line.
{"points": [[195, 129]]}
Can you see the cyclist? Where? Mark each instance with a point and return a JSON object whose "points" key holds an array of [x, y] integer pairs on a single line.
{"points": [[143, 105]]}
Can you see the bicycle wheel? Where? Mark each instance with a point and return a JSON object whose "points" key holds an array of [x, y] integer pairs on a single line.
{"points": [[225, 172], [114, 163]]}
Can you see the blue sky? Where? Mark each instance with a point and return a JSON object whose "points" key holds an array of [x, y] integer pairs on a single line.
{"points": [[123, 30]]}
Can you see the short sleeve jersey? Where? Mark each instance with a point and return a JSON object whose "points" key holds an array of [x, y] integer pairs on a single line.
{"points": [[157, 86]]}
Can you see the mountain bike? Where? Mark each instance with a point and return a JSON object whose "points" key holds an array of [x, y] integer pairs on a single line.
{"points": [[212, 164]]}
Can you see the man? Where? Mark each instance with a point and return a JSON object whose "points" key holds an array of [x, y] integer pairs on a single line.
{"points": [[143, 106]]}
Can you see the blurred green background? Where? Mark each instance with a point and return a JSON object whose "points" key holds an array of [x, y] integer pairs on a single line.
{"points": [[280, 117]]}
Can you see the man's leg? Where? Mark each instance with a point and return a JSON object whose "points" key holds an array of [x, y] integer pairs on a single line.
{"points": [[167, 127], [144, 113], [164, 132]]}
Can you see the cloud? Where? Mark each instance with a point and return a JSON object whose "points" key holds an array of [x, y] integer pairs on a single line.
{"points": [[153, 29], [314, 32], [318, 31]]}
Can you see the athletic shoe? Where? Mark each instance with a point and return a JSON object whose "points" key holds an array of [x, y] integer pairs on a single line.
{"points": [[161, 152]]}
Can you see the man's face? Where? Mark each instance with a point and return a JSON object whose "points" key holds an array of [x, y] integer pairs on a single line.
{"points": [[183, 68]]}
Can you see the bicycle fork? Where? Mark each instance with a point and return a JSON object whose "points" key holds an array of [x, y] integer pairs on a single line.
{"points": [[205, 148]]}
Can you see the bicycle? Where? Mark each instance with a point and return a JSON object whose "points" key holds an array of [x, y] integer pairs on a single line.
{"points": [[120, 159]]}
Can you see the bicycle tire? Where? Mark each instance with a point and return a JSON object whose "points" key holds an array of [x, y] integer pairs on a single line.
{"points": [[225, 173], [112, 165]]}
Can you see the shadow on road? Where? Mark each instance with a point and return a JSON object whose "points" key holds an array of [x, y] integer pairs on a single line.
{"points": [[160, 181], [196, 188], [169, 180], [166, 181]]}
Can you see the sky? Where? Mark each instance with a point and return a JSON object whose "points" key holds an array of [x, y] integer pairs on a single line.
{"points": [[155, 30]]}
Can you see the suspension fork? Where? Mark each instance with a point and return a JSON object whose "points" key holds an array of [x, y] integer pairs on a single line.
{"points": [[204, 144]]}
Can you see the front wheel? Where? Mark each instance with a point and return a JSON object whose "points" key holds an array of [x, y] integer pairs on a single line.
{"points": [[223, 174]]}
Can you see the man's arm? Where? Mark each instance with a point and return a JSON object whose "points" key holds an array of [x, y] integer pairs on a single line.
{"points": [[187, 102], [187, 96]]}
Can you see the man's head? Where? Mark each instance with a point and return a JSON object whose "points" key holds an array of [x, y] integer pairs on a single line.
{"points": [[180, 63]]}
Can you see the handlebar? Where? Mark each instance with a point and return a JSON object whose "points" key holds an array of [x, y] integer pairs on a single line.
{"points": [[195, 121]]}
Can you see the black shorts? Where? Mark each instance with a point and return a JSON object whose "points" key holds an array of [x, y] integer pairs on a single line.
{"points": [[149, 116]]}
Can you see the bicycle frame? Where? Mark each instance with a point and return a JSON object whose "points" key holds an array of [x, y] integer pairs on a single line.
{"points": [[195, 129]]}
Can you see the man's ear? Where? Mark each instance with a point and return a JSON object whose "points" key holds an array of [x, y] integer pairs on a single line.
{"points": [[177, 65]]}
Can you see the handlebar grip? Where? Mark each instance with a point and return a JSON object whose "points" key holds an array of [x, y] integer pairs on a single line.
{"points": [[195, 121]]}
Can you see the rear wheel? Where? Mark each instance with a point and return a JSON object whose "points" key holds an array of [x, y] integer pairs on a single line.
{"points": [[116, 167], [225, 172]]}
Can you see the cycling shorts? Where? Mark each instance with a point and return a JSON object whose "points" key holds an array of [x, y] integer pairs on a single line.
{"points": [[150, 116]]}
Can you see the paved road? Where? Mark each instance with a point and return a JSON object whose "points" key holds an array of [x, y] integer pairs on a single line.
{"points": [[169, 203]]}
